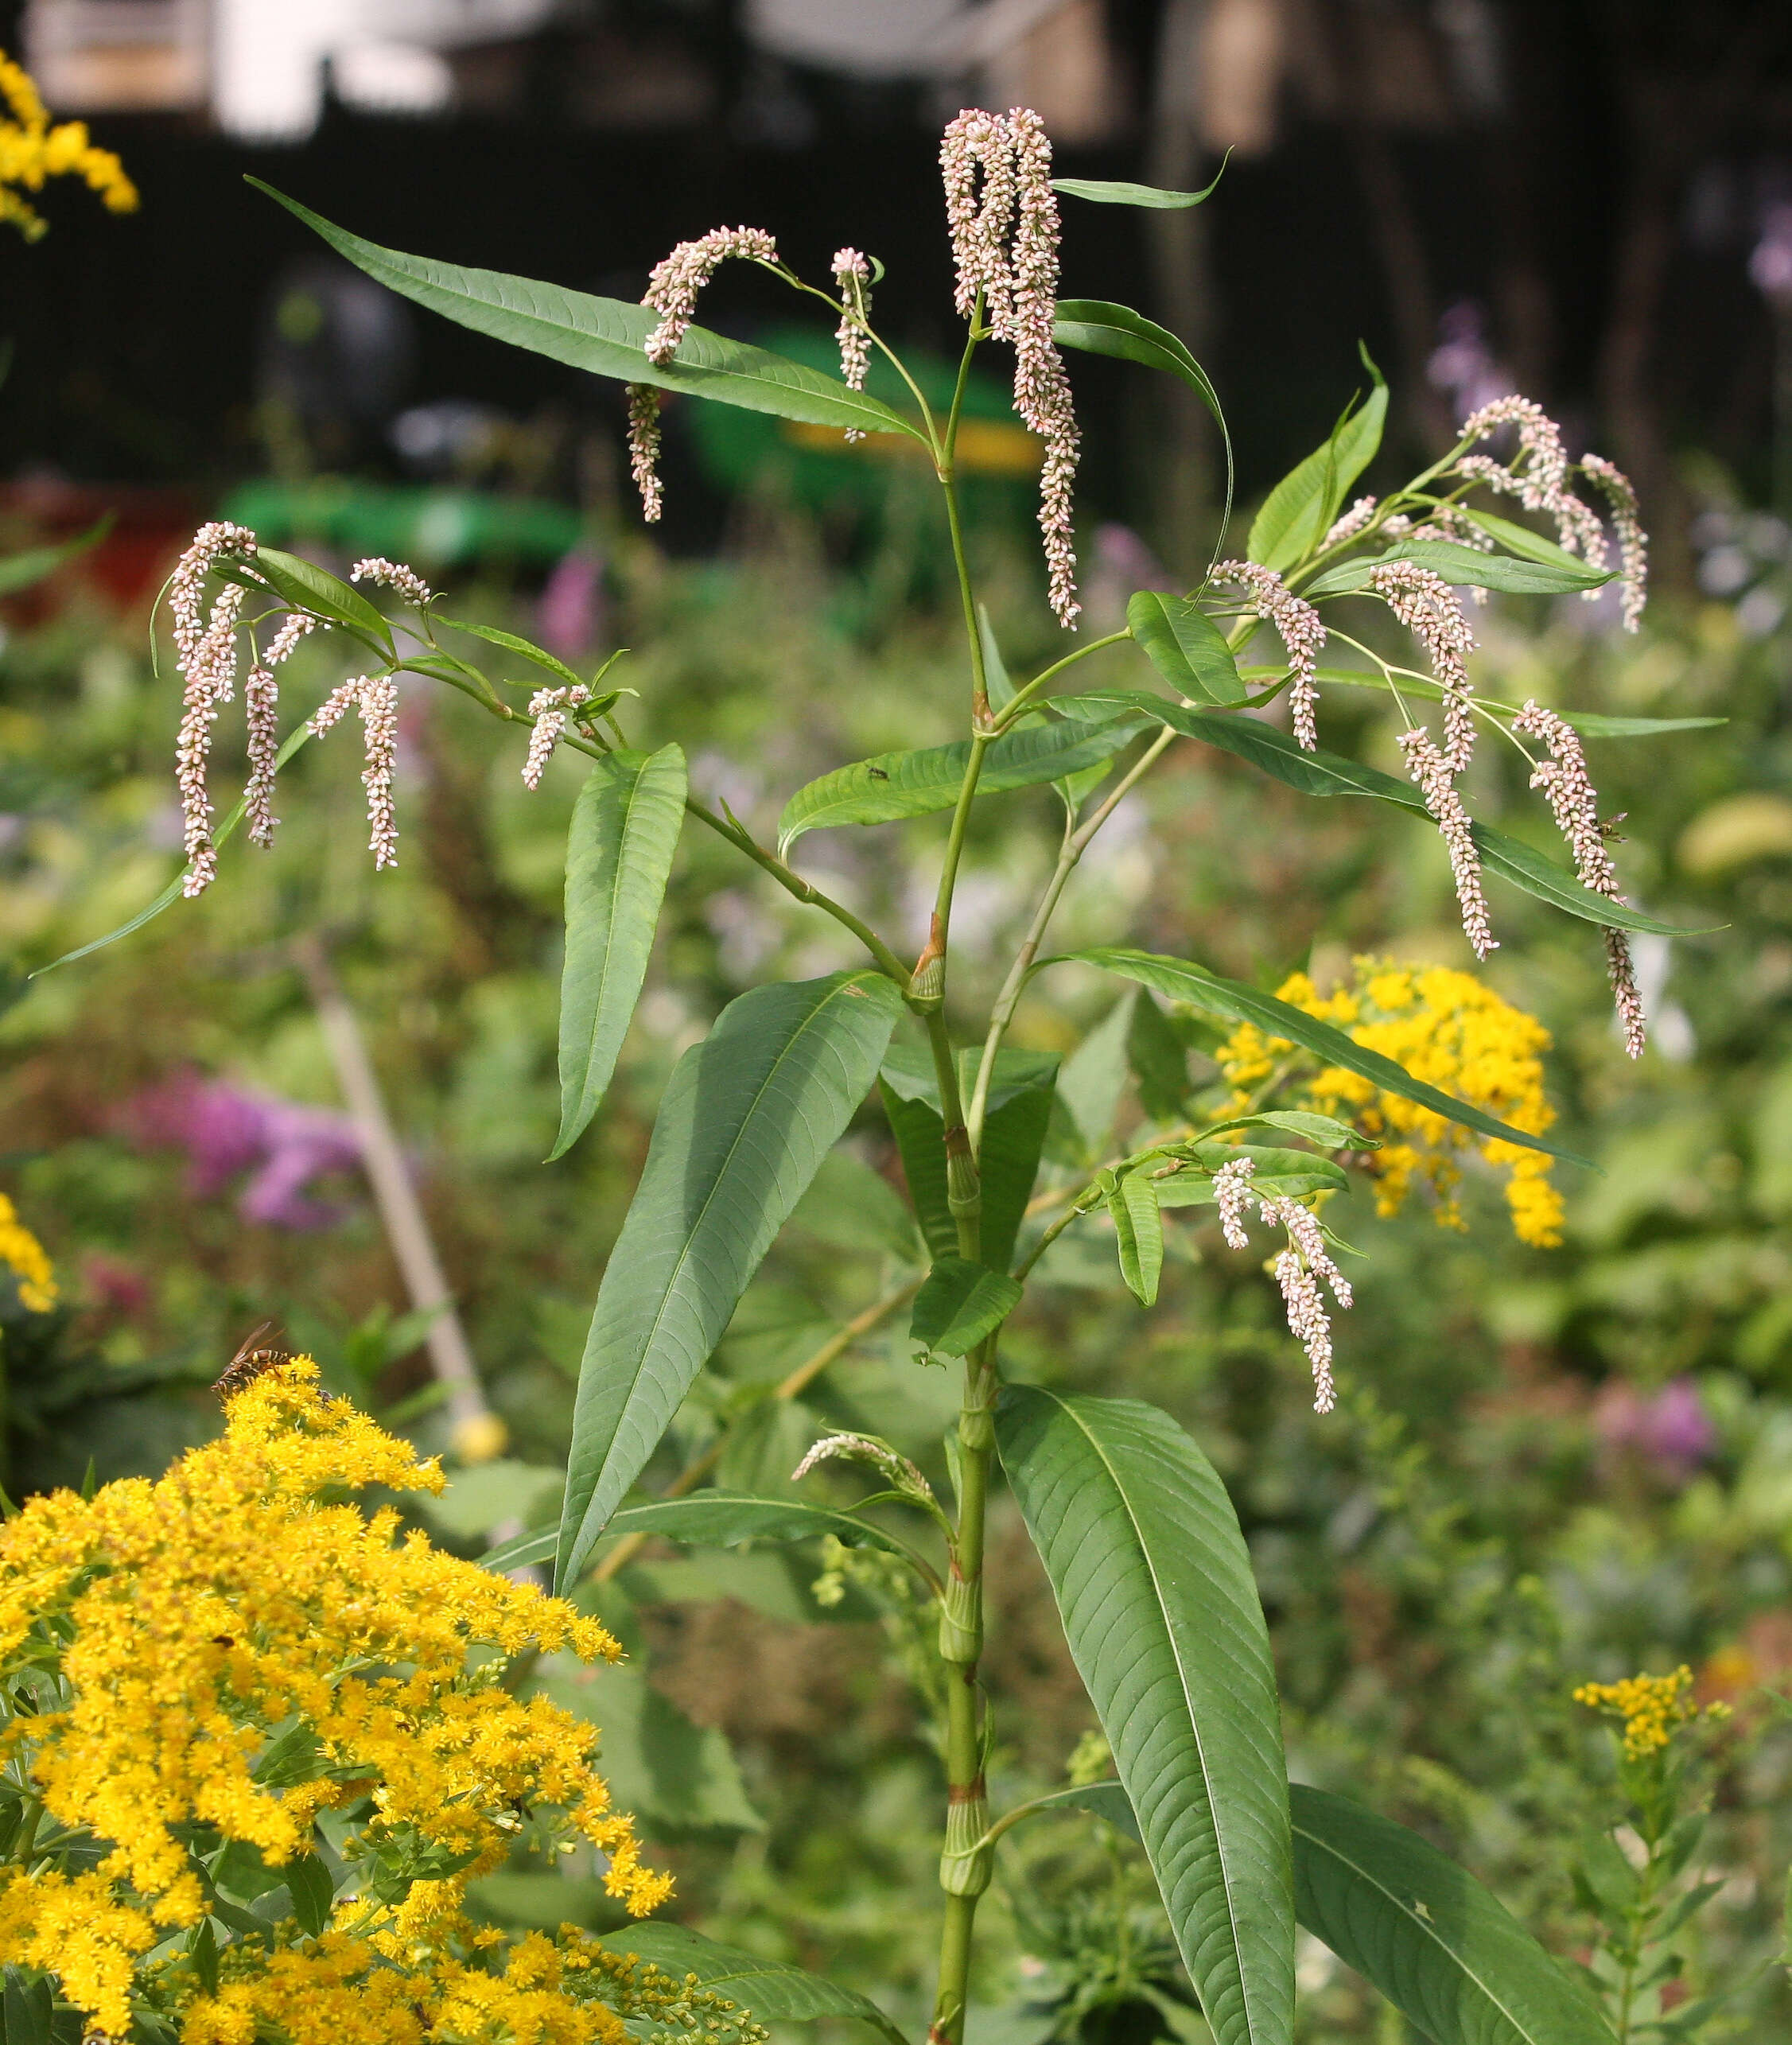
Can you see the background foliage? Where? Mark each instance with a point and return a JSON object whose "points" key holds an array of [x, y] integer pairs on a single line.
{"points": [[1546, 1466]]}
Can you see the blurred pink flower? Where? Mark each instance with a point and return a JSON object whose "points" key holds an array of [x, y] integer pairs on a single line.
{"points": [[112, 1286], [569, 613], [1669, 1428], [226, 1131]]}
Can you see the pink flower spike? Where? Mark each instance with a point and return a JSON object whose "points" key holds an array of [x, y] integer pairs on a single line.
{"points": [[1297, 625]]}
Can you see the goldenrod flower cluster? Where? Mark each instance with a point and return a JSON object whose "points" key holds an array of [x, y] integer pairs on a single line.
{"points": [[1651, 1707], [31, 151], [1444, 1027], [22, 1253], [201, 1666]]}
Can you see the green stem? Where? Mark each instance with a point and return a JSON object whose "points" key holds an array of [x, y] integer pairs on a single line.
{"points": [[1022, 696], [793, 883], [965, 1863], [1075, 843]]}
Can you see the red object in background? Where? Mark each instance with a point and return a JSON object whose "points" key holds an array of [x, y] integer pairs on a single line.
{"points": [[149, 528]]}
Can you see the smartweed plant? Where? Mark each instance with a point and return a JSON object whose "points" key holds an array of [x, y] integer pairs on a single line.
{"points": [[1134, 1528]]}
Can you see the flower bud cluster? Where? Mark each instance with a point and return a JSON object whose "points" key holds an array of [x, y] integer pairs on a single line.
{"points": [[1297, 625], [550, 708], [1003, 215], [1573, 802], [376, 697], [1538, 477], [1298, 1268], [852, 272], [671, 293]]}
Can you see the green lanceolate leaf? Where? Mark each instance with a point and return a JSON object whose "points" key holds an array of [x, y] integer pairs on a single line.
{"points": [[1273, 1163], [1153, 1583], [513, 644], [1325, 1130], [171, 894], [960, 1303], [1590, 723], [1185, 646], [745, 1124], [1298, 512], [618, 852], [27, 2005], [1108, 1800], [606, 335], [1106, 192], [1324, 773], [1138, 1226], [1014, 1125], [773, 1990], [1465, 567], [31, 564], [707, 1519], [308, 1880], [1520, 540], [1098, 327], [1442, 1949], [920, 784], [1234, 1001], [306, 586], [1431, 1938]]}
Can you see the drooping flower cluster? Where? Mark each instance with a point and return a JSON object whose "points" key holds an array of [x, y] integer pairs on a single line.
{"points": [[29, 1261], [1568, 790], [1426, 605], [1649, 1707], [550, 708], [671, 291], [852, 274], [376, 697], [897, 1470], [224, 1654], [1447, 1028], [1633, 541], [1003, 215], [1539, 475], [1298, 1268], [32, 151], [1436, 781], [1297, 625], [205, 645], [393, 575], [1348, 524]]}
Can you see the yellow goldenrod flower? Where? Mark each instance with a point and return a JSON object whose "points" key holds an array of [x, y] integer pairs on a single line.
{"points": [[25, 1255], [1444, 1027], [31, 151], [1649, 1707], [222, 1654]]}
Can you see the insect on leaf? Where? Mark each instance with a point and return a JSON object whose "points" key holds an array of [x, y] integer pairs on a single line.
{"points": [[959, 1304], [1436, 1943]]}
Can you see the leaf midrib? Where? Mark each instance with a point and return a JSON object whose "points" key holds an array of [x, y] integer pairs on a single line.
{"points": [[1200, 1745], [708, 1199], [1412, 1916]]}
